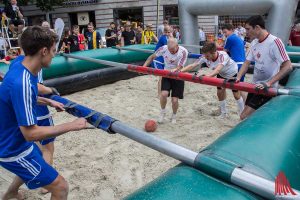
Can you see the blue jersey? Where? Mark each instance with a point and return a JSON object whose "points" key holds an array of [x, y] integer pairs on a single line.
{"points": [[235, 46], [42, 111], [18, 99], [163, 40]]}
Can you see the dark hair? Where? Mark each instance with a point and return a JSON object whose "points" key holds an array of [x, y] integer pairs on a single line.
{"points": [[256, 20], [75, 27], [34, 38], [112, 23], [66, 32], [227, 26], [209, 47], [91, 24]]}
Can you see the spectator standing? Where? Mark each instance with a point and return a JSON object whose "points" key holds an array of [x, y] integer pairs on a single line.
{"points": [[160, 28], [64, 47], [128, 36], [295, 36], [73, 43], [111, 35], [148, 35], [93, 37], [139, 34], [202, 36], [240, 31]]}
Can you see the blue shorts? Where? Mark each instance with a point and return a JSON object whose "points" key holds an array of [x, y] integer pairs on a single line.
{"points": [[31, 168], [46, 122], [243, 77]]}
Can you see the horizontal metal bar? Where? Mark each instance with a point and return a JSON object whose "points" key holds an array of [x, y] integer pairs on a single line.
{"points": [[168, 148], [258, 185], [293, 53], [133, 49]]}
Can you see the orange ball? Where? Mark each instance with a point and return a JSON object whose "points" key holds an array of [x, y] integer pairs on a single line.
{"points": [[150, 125]]}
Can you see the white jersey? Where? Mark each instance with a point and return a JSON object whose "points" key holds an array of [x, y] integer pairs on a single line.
{"points": [[241, 32], [172, 60], [229, 68], [268, 56]]}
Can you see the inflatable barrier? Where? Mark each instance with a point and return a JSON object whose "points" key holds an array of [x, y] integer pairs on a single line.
{"points": [[264, 144], [72, 75]]}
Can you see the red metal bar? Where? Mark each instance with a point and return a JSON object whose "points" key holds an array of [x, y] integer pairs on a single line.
{"points": [[242, 86]]}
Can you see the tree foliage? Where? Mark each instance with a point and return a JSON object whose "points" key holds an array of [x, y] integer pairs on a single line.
{"points": [[47, 5], [44, 5]]}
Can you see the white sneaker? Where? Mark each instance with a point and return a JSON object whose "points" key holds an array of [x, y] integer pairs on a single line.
{"points": [[216, 112], [223, 116], [173, 119], [161, 118]]}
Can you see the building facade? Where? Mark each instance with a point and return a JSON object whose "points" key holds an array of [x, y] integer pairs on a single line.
{"points": [[102, 12]]}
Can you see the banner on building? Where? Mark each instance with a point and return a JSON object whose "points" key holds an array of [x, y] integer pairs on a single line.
{"points": [[79, 3], [83, 18]]}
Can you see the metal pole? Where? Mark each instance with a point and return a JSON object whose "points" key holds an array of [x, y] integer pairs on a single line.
{"points": [[138, 50], [180, 76], [258, 185], [244, 179], [168, 148], [102, 62], [296, 65], [157, 15], [293, 53]]}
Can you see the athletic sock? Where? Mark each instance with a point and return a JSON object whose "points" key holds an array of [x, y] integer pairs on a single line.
{"points": [[223, 106], [240, 104]]}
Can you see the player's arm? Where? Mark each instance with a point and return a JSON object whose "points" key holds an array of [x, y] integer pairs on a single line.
{"points": [[49, 102], [1, 76], [285, 69], [190, 67], [216, 71], [243, 70], [36, 133], [155, 38], [149, 60]]}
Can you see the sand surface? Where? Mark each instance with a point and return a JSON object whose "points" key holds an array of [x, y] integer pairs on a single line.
{"points": [[98, 165]]}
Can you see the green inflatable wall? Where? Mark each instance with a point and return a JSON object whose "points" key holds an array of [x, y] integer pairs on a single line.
{"points": [[62, 66], [294, 59], [186, 183], [264, 144]]}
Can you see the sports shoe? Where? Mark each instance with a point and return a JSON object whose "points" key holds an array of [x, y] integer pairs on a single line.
{"points": [[161, 117], [223, 116], [173, 119], [216, 112]]}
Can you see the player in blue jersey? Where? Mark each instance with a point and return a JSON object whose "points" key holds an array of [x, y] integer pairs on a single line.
{"points": [[235, 47], [43, 116], [18, 127]]}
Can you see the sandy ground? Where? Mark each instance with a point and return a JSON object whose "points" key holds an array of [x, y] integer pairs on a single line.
{"points": [[102, 166]]}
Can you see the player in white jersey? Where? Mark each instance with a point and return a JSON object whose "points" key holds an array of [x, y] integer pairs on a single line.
{"points": [[271, 62], [223, 67], [174, 59]]}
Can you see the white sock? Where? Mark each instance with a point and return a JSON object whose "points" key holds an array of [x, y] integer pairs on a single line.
{"points": [[163, 111], [174, 115], [223, 106], [241, 105]]}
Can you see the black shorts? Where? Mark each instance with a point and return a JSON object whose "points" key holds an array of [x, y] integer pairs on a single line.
{"points": [[177, 87], [256, 100], [219, 76], [17, 22]]}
